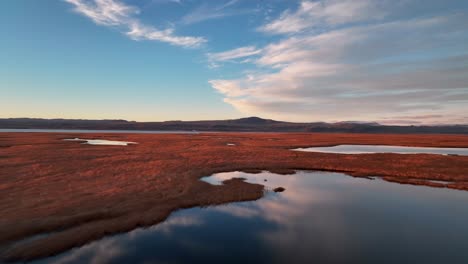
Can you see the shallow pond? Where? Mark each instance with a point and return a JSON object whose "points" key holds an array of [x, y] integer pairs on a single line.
{"points": [[321, 217], [361, 149], [101, 142]]}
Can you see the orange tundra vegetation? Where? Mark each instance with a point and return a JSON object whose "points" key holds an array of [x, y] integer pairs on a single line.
{"points": [[73, 193]]}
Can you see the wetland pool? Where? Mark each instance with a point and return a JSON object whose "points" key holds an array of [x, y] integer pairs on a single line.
{"points": [[321, 217], [366, 149]]}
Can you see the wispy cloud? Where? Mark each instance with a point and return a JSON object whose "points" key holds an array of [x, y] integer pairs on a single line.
{"points": [[318, 14], [114, 13], [234, 54], [363, 71], [209, 12], [166, 2]]}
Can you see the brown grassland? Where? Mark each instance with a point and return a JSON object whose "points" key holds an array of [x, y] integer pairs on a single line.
{"points": [[75, 193]]}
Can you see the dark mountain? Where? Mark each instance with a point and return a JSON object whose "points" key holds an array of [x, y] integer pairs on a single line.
{"points": [[253, 124], [254, 121]]}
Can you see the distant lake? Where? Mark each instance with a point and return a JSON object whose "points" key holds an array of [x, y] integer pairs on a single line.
{"points": [[363, 149], [321, 217], [96, 131], [102, 142]]}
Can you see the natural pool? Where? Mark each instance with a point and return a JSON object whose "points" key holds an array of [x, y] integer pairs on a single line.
{"points": [[362, 149], [101, 142], [321, 217]]}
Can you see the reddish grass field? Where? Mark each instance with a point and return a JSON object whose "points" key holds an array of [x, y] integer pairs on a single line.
{"points": [[78, 193]]}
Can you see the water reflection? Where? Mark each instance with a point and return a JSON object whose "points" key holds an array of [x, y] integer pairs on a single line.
{"points": [[101, 142], [361, 149], [322, 217]]}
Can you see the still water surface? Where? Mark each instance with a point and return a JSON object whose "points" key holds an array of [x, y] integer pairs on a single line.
{"points": [[101, 142], [361, 149], [95, 131], [321, 217]]}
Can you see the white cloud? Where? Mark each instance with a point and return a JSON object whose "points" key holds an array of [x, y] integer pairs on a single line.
{"points": [[233, 54], [137, 31], [117, 14], [316, 14], [208, 12], [408, 67]]}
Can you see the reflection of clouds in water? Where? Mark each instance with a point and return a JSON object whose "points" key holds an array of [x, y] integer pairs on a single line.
{"points": [[321, 217], [238, 210], [177, 221], [217, 179], [168, 225], [287, 211], [326, 232], [109, 249], [301, 200], [95, 253], [274, 207]]}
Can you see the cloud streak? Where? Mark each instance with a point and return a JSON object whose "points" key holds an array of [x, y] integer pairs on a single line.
{"points": [[232, 55], [113, 13], [208, 12]]}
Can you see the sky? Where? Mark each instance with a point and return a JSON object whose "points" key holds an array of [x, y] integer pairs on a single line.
{"points": [[391, 61]]}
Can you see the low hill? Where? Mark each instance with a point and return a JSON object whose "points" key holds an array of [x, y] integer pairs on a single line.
{"points": [[249, 124]]}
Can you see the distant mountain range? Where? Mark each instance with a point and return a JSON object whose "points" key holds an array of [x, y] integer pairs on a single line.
{"points": [[249, 124]]}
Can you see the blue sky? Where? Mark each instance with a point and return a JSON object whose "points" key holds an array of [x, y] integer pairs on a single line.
{"points": [[395, 62]]}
